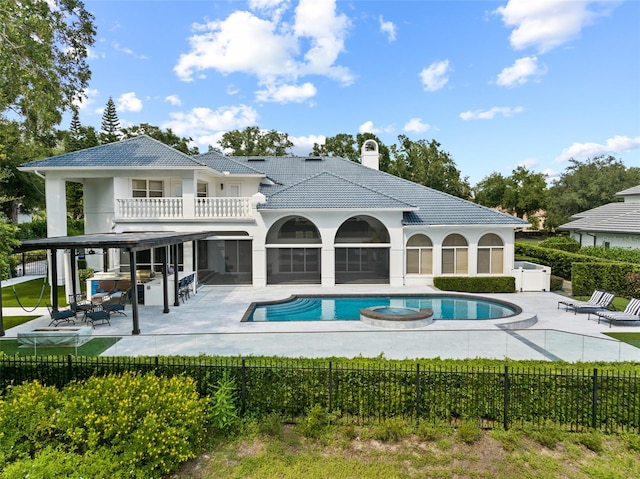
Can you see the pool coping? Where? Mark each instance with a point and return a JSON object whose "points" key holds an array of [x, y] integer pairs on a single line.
{"points": [[517, 309]]}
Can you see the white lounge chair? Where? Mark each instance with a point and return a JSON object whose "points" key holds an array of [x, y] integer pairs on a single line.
{"points": [[630, 314], [601, 303], [595, 297]]}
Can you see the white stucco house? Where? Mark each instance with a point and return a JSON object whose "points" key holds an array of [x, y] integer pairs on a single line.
{"points": [[276, 220], [611, 225]]}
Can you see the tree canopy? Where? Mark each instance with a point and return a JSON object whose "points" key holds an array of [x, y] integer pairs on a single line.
{"points": [[346, 146], [252, 141], [425, 163], [43, 52], [586, 185], [168, 137], [522, 193], [110, 124]]}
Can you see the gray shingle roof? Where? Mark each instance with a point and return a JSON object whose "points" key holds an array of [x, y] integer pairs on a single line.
{"points": [[435, 207], [326, 190], [622, 218], [633, 191], [141, 151], [223, 164]]}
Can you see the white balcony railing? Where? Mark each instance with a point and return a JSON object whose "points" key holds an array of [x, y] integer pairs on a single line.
{"points": [[172, 208], [223, 208]]}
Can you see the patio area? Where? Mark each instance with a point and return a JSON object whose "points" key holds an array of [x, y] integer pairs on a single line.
{"points": [[209, 323]]}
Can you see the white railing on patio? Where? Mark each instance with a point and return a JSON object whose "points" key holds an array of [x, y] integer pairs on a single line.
{"points": [[142, 208], [223, 208], [172, 208]]}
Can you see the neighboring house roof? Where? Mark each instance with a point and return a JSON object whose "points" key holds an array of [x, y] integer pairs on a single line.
{"points": [[619, 217], [622, 218], [141, 151], [434, 207]]}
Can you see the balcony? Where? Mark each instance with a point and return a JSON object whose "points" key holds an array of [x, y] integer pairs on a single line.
{"points": [[175, 208]]}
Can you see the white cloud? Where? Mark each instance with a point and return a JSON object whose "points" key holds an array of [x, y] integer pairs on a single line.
{"points": [[389, 28], [85, 98], [303, 145], [275, 51], [581, 151], [435, 76], [174, 100], [520, 72], [528, 163], [286, 93], [203, 124], [367, 127], [232, 89], [128, 102], [415, 125], [505, 111], [547, 24], [127, 51]]}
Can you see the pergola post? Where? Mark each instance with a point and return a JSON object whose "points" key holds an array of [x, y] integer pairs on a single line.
{"points": [[176, 286], [134, 292], [165, 276]]}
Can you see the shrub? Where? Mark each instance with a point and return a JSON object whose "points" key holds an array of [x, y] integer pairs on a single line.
{"points": [[315, 422], [468, 431], [632, 285], [556, 283], [85, 274], [476, 284], [562, 243], [27, 417], [223, 413], [626, 255], [610, 276], [152, 424], [271, 425], [591, 440], [390, 430]]}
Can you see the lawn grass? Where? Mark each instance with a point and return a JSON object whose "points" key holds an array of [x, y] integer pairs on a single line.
{"points": [[358, 452], [631, 338], [29, 292], [94, 347], [12, 321]]}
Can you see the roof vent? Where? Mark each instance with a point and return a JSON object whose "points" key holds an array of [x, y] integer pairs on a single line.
{"points": [[314, 158], [255, 159]]}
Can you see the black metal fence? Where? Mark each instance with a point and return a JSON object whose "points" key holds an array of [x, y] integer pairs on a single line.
{"points": [[32, 263], [574, 399]]}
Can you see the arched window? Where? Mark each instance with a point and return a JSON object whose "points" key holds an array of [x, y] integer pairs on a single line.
{"points": [[490, 254], [419, 255], [455, 255], [362, 251]]}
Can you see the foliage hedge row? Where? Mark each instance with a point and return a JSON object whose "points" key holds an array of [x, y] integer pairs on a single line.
{"points": [[476, 284], [367, 390], [613, 254], [585, 272], [130, 425], [616, 277], [562, 243]]}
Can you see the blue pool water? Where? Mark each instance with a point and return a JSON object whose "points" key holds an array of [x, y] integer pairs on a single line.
{"points": [[347, 308]]}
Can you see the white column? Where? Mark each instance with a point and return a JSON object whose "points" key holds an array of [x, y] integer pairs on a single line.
{"points": [[56, 202], [189, 197]]}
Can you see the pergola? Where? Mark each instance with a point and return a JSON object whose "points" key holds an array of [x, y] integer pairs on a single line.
{"points": [[130, 242]]}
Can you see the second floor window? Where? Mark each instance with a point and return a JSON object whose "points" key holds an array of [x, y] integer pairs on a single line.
{"points": [[147, 188]]}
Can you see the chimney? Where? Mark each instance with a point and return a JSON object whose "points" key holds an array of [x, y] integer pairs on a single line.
{"points": [[369, 155]]}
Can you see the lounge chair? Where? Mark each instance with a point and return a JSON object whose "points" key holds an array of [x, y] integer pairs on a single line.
{"points": [[595, 297], [630, 313], [115, 303], [602, 303], [61, 316], [98, 315]]}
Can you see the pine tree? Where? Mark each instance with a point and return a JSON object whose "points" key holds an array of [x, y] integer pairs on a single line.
{"points": [[110, 124], [74, 142]]}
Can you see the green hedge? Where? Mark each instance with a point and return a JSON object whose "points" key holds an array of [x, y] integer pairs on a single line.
{"points": [[612, 254], [560, 262], [562, 243], [476, 284], [609, 276]]}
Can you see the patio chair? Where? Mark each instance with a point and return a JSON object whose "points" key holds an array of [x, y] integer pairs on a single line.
{"points": [[630, 314], [80, 304], [115, 304], [99, 314], [61, 315], [595, 297], [601, 304]]}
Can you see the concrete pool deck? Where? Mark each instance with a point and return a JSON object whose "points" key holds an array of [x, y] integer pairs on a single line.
{"points": [[209, 323]]}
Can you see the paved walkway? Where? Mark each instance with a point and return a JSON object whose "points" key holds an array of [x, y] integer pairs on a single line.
{"points": [[209, 323]]}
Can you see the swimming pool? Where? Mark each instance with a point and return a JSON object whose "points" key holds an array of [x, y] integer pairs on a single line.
{"points": [[347, 308]]}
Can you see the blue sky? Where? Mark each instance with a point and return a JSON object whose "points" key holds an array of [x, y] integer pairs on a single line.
{"points": [[498, 83]]}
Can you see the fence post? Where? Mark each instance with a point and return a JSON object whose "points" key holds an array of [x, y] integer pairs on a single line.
{"points": [[243, 391], [505, 418], [418, 394], [69, 368], [330, 387], [594, 401]]}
